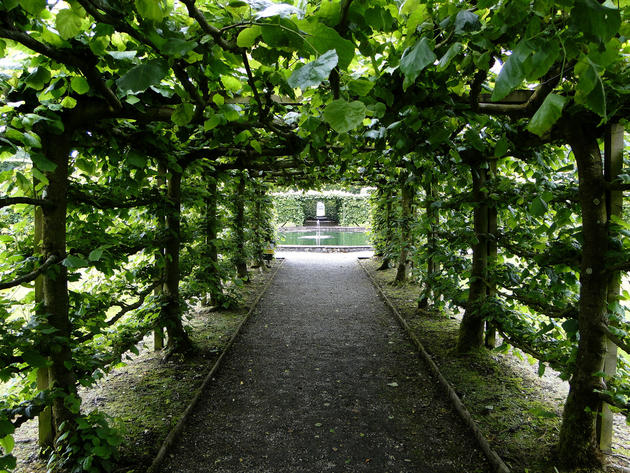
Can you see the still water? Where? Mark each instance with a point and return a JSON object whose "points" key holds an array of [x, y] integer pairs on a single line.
{"points": [[326, 238]]}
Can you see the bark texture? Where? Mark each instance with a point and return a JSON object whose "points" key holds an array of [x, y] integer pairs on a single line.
{"points": [[578, 444], [212, 230], [55, 280], [178, 340], [471, 330], [405, 232], [240, 258]]}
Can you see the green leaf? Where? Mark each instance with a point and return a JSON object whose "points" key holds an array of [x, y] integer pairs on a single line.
{"points": [[256, 145], [35, 359], [231, 83], [80, 85], [282, 33], [73, 262], [571, 326], [136, 160], [150, 10], [590, 90], [96, 254], [212, 122], [501, 148], [247, 37], [7, 463], [34, 7], [415, 59], [38, 78], [6, 428], [68, 23], [595, 21], [344, 116], [466, 21], [548, 114], [510, 77], [69, 102], [315, 72], [324, 39], [178, 47], [143, 76], [538, 207], [7, 443], [361, 87], [218, 99], [453, 51], [183, 114], [43, 163], [541, 60]]}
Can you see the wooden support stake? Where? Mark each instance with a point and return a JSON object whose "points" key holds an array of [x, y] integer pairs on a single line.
{"points": [[613, 164]]}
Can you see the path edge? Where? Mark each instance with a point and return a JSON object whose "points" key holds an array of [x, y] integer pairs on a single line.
{"points": [[493, 457], [170, 439]]}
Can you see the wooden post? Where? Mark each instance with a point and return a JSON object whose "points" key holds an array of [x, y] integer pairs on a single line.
{"points": [[613, 163], [491, 331]]}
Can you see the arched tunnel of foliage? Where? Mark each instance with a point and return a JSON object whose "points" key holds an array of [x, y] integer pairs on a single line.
{"points": [[140, 142]]}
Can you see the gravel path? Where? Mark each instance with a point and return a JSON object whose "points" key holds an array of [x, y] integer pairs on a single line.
{"points": [[322, 379]]}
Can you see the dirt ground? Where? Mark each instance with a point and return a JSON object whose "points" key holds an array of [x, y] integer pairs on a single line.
{"points": [[323, 379]]}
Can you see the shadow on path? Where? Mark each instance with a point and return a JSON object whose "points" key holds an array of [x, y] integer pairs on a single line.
{"points": [[323, 379]]}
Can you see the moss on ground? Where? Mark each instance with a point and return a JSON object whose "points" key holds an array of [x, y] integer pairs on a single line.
{"points": [[519, 413]]}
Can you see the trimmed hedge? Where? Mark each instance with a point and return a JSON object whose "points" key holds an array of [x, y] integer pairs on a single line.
{"points": [[342, 208]]}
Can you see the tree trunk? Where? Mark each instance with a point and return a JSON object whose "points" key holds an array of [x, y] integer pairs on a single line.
{"points": [[388, 232], [178, 340], [55, 280], [240, 258], [259, 231], [405, 232], [158, 332], [471, 330], [212, 229], [46, 430], [432, 267], [491, 331], [578, 444], [613, 164]]}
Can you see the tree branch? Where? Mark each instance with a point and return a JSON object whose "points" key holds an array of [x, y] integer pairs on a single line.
{"points": [[194, 13], [608, 399], [616, 339], [65, 57], [569, 312], [124, 309], [32, 275], [112, 201], [6, 201]]}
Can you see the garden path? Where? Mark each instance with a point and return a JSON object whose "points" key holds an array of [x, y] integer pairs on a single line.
{"points": [[323, 379]]}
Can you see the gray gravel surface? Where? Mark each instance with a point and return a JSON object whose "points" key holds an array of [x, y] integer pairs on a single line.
{"points": [[323, 379]]}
